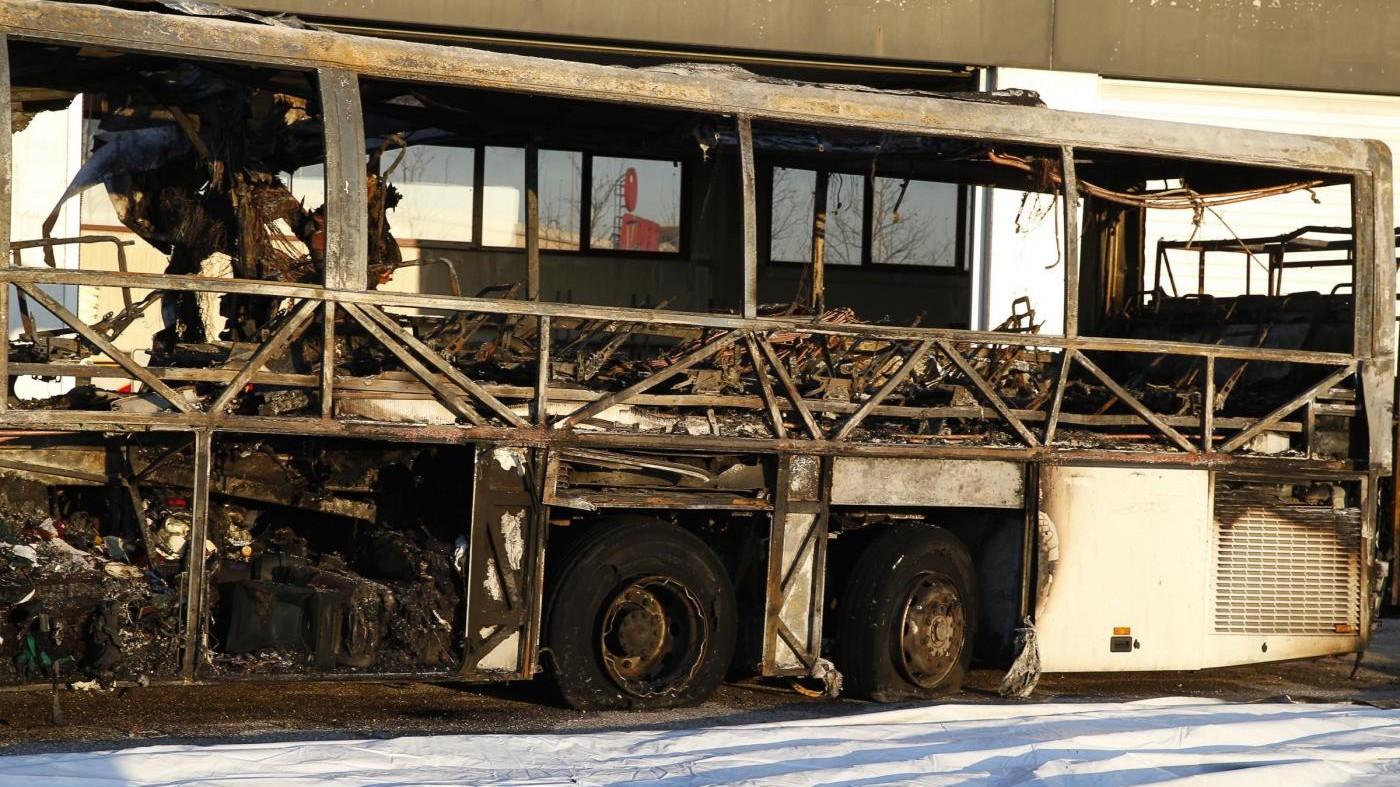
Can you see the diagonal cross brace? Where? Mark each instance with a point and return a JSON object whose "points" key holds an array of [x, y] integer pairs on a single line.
{"points": [[99, 341], [988, 392], [619, 397], [285, 335], [1283, 411], [452, 401], [1135, 404], [448, 370], [879, 396]]}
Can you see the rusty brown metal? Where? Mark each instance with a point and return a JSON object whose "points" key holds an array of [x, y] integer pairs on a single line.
{"points": [[988, 393], [347, 255], [621, 397], [1285, 409], [1135, 404], [277, 343], [895, 380]]}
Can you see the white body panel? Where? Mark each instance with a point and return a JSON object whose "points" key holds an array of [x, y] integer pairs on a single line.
{"points": [[1141, 549], [1133, 548]]}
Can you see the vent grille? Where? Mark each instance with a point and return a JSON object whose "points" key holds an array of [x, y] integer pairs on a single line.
{"points": [[1284, 568]]}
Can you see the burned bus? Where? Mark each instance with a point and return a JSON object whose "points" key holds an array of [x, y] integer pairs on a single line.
{"points": [[343, 357]]}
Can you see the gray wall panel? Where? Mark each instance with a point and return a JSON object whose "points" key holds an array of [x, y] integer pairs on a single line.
{"points": [[1343, 45], [1008, 32], [1346, 45]]}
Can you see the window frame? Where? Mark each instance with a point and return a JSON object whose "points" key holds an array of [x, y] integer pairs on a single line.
{"points": [[962, 231], [585, 224]]}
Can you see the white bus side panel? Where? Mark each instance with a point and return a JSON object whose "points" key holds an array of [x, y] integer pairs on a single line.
{"points": [[1163, 569], [1133, 554]]}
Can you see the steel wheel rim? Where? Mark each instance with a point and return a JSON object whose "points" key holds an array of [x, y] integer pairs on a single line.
{"points": [[652, 636], [932, 627]]}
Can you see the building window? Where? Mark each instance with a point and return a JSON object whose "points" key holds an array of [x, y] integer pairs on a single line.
{"points": [[628, 204], [869, 221]]}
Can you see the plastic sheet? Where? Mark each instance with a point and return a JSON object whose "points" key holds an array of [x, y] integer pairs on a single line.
{"points": [[1182, 741]]}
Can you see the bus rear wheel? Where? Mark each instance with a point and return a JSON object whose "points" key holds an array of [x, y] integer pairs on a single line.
{"points": [[640, 615], [907, 616]]}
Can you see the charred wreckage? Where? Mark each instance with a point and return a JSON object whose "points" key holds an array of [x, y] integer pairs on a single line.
{"points": [[268, 461]]}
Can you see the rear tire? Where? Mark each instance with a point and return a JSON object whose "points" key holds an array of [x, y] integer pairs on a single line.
{"points": [[907, 617], [641, 615]]}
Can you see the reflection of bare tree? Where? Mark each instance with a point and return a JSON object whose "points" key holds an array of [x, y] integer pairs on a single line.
{"points": [[907, 231], [906, 228], [791, 220]]}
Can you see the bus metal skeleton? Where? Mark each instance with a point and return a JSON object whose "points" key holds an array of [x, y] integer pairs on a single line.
{"points": [[356, 482]]}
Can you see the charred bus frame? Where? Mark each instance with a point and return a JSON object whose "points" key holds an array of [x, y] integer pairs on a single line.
{"points": [[526, 435]]}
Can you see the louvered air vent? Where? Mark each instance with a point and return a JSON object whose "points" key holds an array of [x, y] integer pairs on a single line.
{"points": [[1283, 567]]}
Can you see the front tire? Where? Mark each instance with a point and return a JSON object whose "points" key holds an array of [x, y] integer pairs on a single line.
{"points": [[641, 615], [907, 617]]}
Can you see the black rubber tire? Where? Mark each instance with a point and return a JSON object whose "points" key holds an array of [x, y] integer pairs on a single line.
{"points": [[871, 607], [600, 563]]}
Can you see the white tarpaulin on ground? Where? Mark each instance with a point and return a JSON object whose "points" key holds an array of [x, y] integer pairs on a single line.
{"points": [[1186, 741]]}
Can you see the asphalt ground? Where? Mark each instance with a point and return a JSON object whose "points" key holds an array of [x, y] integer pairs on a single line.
{"points": [[306, 710]]}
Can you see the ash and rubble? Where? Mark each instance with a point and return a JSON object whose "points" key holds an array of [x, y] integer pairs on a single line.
{"points": [[89, 591]]}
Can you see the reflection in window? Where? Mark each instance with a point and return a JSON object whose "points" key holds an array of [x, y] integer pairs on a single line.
{"points": [[790, 224], [915, 223], [503, 205], [561, 198], [845, 211], [651, 222], [436, 184]]}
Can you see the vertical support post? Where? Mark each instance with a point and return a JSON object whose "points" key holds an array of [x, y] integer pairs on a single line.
{"points": [[328, 360], [6, 187], [542, 374], [196, 582], [532, 222], [1069, 184], [347, 209], [750, 207], [1208, 407], [819, 244]]}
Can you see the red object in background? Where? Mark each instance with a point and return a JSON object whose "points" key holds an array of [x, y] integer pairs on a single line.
{"points": [[639, 234], [629, 189]]}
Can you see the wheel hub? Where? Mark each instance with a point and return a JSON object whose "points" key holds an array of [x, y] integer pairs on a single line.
{"points": [[931, 630], [653, 636]]}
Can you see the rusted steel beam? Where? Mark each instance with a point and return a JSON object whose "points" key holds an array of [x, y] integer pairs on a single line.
{"points": [[818, 301], [4, 325], [661, 376], [988, 393], [115, 422], [770, 399], [6, 189], [451, 400], [196, 578], [411, 61], [1135, 404], [897, 379], [794, 395], [100, 342], [1285, 409], [749, 202], [542, 373], [271, 348], [1208, 407], [327, 376], [1069, 192], [438, 362], [1052, 421], [180, 283], [347, 209]]}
